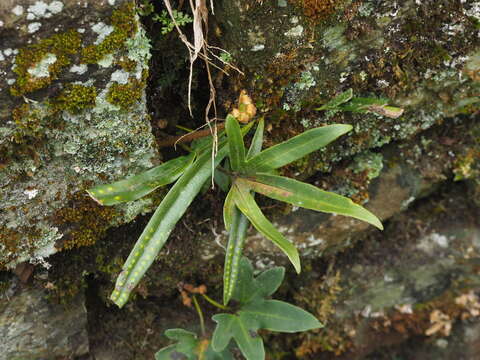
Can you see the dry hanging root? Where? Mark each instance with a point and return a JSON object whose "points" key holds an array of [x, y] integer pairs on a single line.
{"points": [[200, 49]]}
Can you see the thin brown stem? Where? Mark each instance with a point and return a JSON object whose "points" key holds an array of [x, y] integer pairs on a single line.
{"points": [[188, 137]]}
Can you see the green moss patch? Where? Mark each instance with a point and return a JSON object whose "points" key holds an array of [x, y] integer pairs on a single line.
{"points": [[125, 95], [62, 46], [75, 98], [88, 220], [125, 26]]}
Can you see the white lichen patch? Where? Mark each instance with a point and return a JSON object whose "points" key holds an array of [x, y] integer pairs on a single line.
{"points": [[45, 247], [120, 76], [474, 10], [106, 61], [139, 48], [432, 242], [1, 23], [33, 27], [41, 9], [258, 47], [37, 10], [262, 264], [102, 30], [18, 10], [42, 68], [111, 2], [79, 69], [313, 241], [31, 193], [102, 105], [296, 31], [382, 83], [404, 308], [55, 7]]}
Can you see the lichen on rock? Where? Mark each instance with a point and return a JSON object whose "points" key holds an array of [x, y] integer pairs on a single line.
{"points": [[69, 125]]}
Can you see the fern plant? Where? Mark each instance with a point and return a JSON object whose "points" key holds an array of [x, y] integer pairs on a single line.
{"points": [[190, 173], [253, 171], [248, 172], [254, 311]]}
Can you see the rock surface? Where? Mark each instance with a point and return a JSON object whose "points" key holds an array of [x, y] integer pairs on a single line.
{"points": [[420, 278], [32, 328], [410, 292], [72, 115]]}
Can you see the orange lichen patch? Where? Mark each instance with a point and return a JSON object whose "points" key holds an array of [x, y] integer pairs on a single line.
{"points": [[88, 221], [317, 9]]}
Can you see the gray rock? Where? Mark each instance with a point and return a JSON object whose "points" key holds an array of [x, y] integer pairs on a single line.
{"points": [[379, 48], [32, 328], [416, 279], [72, 115]]}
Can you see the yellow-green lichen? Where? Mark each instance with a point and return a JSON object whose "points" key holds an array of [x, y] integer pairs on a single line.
{"points": [[60, 47], [124, 25], [75, 98]]}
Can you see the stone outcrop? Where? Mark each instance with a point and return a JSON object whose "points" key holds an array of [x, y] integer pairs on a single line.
{"points": [[72, 115], [33, 328]]}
